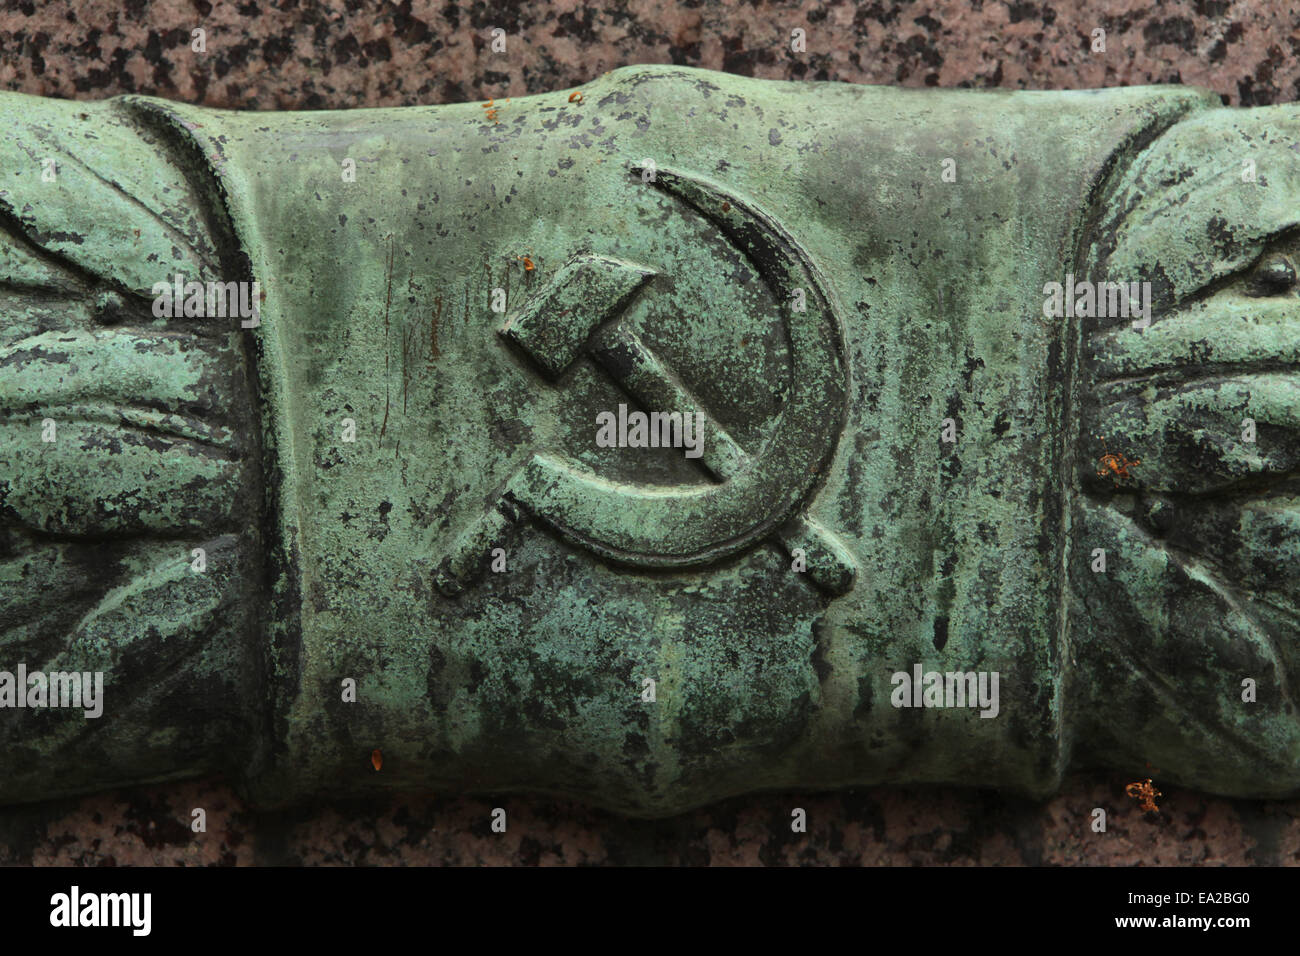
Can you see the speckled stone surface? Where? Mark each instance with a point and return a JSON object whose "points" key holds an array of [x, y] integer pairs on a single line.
{"points": [[294, 54], [299, 55], [149, 826]]}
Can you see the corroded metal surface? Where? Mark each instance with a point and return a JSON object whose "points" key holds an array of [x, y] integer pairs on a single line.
{"points": [[396, 474]]}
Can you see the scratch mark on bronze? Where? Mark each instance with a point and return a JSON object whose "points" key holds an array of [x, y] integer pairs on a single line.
{"points": [[434, 318], [407, 332], [387, 306]]}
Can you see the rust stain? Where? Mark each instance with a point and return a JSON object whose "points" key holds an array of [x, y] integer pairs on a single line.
{"points": [[1145, 793], [1115, 464]]}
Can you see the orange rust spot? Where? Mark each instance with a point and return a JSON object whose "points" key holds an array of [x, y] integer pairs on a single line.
{"points": [[528, 263], [1115, 464], [575, 96], [1145, 793], [376, 758]]}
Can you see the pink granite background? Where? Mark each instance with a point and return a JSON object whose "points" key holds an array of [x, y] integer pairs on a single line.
{"points": [[149, 826], [297, 54]]}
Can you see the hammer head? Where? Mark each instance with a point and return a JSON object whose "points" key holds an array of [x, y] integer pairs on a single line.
{"points": [[555, 325]]}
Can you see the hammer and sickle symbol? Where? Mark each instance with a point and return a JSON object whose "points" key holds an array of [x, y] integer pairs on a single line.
{"points": [[752, 498]]}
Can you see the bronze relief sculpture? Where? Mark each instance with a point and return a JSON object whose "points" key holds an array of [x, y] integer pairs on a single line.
{"points": [[697, 436]]}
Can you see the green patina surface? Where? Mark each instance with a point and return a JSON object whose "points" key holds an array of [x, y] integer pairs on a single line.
{"points": [[787, 259]]}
